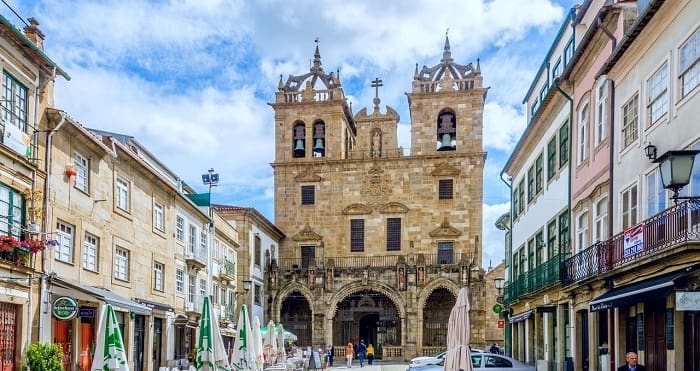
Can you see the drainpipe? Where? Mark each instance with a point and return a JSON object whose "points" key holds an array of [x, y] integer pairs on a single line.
{"points": [[47, 185], [571, 125], [508, 344]]}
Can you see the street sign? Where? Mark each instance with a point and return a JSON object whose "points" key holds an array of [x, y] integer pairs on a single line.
{"points": [[501, 323], [498, 308]]}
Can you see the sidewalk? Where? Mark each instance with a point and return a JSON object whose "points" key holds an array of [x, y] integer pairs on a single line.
{"points": [[377, 366]]}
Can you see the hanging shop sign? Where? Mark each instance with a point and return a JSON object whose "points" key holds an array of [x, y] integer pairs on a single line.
{"points": [[64, 308]]}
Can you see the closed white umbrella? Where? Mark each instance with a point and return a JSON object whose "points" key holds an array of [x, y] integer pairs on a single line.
{"points": [[211, 355], [257, 343], [109, 349], [270, 344], [242, 347], [458, 356], [281, 351]]}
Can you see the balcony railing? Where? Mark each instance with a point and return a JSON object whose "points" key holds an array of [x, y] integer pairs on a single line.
{"points": [[227, 269], [383, 261], [227, 312], [677, 225], [197, 258], [542, 276]]}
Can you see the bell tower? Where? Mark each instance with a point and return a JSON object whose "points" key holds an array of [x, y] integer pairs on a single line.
{"points": [[313, 121], [447, 107]]}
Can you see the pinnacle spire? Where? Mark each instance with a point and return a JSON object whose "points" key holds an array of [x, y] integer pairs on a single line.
{"points": [[447, 54], [317, 57]]}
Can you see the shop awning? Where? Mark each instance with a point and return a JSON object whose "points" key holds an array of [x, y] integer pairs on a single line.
{"points": [[626, 295], [155, 306], [101, 294], [520, 317]]}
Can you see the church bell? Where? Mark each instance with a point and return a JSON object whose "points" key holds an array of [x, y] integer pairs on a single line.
{"points": [[299, 148], [318, 147], [446, 143]]}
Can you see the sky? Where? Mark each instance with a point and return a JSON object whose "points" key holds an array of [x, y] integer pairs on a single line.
{"points": [[191, 79]]}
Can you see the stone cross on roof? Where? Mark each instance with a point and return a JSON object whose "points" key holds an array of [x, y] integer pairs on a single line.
{"points": [[376, 84]]}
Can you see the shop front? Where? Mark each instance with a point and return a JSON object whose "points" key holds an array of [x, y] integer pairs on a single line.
{"points": [[75, 310]]}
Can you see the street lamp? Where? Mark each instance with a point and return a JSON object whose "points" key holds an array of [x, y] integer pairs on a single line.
{"points": [[212, 180], [246, 287], [675, 167], [498, 282]]}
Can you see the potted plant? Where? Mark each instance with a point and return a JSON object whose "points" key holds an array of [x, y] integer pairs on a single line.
{"points": [[44, 357]]}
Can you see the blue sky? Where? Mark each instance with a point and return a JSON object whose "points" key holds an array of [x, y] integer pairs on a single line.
{"points": [[191, 79]]}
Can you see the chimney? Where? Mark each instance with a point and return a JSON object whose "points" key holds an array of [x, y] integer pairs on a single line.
{"points": [[34, 34]]}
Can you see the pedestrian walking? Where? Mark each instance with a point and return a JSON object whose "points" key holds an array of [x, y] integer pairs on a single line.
{"points": [[349, 353]]}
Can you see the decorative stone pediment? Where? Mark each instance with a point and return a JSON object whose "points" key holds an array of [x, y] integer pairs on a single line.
{"points": [[444, 169], [445, 230], [357, 209], [307, 234], [307, 176], [393, 208]]}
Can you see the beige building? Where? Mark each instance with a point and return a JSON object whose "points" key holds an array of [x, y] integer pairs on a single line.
{"points": [[494, 322], [27, 88], [378, 241]]}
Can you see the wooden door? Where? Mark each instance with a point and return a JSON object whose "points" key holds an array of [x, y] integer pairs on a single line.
{"points": [[8, 333], [655, 335]]}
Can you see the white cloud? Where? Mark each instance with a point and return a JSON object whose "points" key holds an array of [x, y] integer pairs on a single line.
{"points": [[493, 238], [503, 126], [191, 79]]}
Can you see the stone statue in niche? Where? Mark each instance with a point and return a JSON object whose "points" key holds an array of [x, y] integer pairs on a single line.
{"points": [[421, 275], [402, 279], [329, 279], [376, 144]]}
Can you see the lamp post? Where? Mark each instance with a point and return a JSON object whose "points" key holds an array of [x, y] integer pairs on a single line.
{"points": [[498, 282], [675, 167], [212, 180]]}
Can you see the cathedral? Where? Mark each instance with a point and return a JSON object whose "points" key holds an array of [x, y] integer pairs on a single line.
{"points": [[379, 240]]}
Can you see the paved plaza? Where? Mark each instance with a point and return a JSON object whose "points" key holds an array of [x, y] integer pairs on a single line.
{"points": [[377, 366]]}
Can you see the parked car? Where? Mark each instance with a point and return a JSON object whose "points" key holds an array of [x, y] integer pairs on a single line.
{"points": [[418, 362], [482, 361]]}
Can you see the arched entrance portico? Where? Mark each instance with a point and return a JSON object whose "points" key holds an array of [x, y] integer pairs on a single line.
{"points": [[296, 317], [370, 316]]}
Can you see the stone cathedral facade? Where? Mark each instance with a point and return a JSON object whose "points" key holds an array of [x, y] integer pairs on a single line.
{"points": [[378, 241]]}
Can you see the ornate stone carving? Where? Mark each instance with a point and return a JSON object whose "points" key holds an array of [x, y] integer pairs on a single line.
{"points": [[445, 169], [307, 234], [445, 230], [393, 208], [375, 186], [307, 176], [357, 209]]}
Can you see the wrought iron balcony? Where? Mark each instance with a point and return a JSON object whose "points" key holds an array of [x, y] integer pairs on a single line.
{"points": [[543, 276], [227, 312], [661, 233], [227, 270]]}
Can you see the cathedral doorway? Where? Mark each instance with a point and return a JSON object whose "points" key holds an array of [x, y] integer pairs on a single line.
{"points": [[370, 316], [296, 317], [436, 314]]}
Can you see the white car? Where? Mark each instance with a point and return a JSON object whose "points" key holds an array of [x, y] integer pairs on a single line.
{"points": [[483, 361], [418, 362]]}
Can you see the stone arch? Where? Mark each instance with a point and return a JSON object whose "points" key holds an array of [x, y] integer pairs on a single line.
{"points": [[284, 293], [445, 283], [332, 303]]}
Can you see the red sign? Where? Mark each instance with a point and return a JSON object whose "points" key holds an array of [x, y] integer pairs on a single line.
{"points": [[501, 323]]}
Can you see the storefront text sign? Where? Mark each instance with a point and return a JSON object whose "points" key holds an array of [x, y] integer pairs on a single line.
{"points": [[65, 308], [87, 312]]}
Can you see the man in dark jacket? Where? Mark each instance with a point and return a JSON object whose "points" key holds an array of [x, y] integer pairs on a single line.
{"points": [[331, 354], [631, 365]]}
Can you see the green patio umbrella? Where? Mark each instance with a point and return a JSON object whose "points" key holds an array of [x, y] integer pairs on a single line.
{"points": [[109, 350], [242, 357], [211, 355]]}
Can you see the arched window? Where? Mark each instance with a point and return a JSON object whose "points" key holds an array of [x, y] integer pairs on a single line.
{"points": [[299, 142], [446, 131], [319, 139]]}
